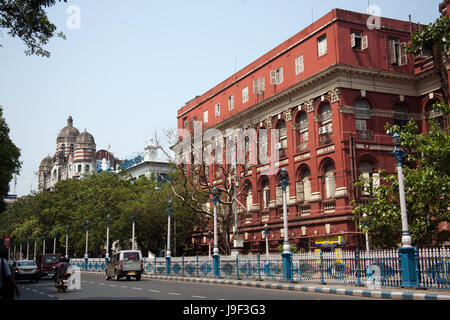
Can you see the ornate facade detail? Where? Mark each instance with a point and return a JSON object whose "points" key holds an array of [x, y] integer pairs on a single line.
{"points": [[288, 114], [268, 123], [309, 106], [334, 95], [346, 109]]}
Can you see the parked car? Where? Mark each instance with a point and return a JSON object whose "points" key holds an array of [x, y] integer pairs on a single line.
{"points": [[26, 270], [126, 263], [46, 262]]}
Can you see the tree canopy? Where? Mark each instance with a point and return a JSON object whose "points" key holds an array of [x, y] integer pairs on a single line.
{"points": [[27, 20], [9, 159], [94, 198]]}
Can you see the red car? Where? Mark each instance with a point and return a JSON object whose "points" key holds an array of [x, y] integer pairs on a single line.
{"points": [[46, 262]]}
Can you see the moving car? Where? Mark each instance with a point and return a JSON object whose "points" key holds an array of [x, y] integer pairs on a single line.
{"points": [[46, 262], [26, 270], [126, 263]]}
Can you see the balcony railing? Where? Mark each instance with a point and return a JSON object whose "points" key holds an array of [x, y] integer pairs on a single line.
{"points": [[305, 209], [329, 206], [364, 135]]}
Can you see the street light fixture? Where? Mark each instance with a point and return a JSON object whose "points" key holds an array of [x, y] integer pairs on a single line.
{"points": [[266, 233], [216, 256], [108, 223], [67, 241], [169, 211], [407, 252], [286, 255], [86, 255], [43, 243], [54, 242], [133, 219]]}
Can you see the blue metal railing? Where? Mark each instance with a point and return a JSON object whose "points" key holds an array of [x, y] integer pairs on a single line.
{"points": [[361, 268]]}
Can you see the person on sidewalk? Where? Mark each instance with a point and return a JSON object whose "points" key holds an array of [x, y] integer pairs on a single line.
{"points": [[9, 288]]}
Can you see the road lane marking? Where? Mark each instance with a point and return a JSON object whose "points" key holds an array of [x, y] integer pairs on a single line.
{"points": [[136, 288], [51, 296], [91, 282], [123, 286], [154, 291], [200, 297], [34, 290], [175, 294], [42, 292], [100, 283], [113, 285]]}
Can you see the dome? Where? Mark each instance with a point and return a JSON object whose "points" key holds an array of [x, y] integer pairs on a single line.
{"points": [[47, 162], [69, 133], [85, 138]]}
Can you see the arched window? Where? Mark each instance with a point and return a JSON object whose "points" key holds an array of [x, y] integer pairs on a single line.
{"points": [[265, 193], [401, 114], [86, 168], [370, 179], [326, 127], [79, 168], [302, 132], [330, 181], [303, 187], [281, 126], [436, 115], [249, 197]]}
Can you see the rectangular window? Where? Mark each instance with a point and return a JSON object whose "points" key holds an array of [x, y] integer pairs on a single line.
{"points": [[259, 85], [245, 95], [217, 110], [185, 122], [397, 52], [205, 116], [276, 76], [361, 125], [356, 40], [322, 45], [231, 102], [299, 66]]}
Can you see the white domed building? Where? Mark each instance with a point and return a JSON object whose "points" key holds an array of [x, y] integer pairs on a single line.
{"points": [[75, 157]]}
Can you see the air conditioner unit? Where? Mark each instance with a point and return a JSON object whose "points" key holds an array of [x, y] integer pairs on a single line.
{"points": [[323, 130]]}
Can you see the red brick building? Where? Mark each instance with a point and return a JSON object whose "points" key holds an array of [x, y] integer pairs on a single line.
{"points": [[330, 88]]}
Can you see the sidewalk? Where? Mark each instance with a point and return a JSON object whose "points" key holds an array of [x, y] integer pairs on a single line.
{"points": [[349, 290]]}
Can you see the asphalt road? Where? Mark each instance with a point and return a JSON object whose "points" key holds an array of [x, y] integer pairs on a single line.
{"points": [[95, 287]]}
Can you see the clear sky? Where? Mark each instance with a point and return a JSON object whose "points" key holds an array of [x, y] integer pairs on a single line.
{"points": [[132, 64]]}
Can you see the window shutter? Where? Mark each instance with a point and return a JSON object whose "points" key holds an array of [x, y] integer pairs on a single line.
{"points": [[302, 66], [330, 185], [249, 201], [261, 85], [299, 190], [273, 77], [280, 75], [352, 40], [255, 86], [307, 188], [376, 180], [403, 55], [364, 43], [392, 53], [279, 194]]}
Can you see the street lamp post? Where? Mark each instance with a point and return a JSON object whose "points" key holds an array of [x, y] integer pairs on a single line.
{"points": [[266, 233], [34, 255], [43, 244], [108, 223], [210, 236], [20, 249], [216, 256], [406, 251], [169, 211], [133, 219], [86, 255], [54, 242], [67, 241], [286, 255], [28, 246]]}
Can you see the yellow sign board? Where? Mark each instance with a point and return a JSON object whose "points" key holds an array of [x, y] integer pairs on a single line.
{"points": [[331, 241], [318, 255], [338, 254]]}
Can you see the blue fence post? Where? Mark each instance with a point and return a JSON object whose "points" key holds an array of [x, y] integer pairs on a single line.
{"points": [[237, 266], [408, 266], [287, 266], [416, 258], [168, 265], [358, 278], [259, 267], [182, 265], [216, 265], [321, 268], [196, 260]]}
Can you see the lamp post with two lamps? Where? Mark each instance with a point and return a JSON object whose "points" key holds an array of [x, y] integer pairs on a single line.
{"points": [[286, 255], [216, 256]]}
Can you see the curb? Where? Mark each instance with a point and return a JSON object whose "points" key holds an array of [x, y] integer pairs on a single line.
{"points": [[366, 293]]}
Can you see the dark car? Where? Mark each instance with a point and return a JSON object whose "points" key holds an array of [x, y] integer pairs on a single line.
{"points": [[46, 262], [26, 270]]}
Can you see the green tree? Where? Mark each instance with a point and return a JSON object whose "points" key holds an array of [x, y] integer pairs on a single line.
{"points": [[28, 20], [9, 159]]}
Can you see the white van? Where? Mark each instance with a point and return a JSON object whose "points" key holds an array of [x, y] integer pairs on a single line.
{"points": [[126, 263]]}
